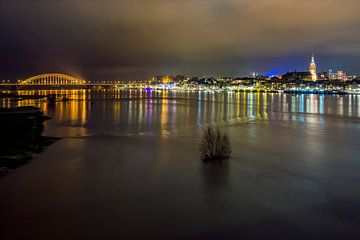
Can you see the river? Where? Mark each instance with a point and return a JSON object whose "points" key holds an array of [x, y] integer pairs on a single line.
{"points": [[128, 167]]}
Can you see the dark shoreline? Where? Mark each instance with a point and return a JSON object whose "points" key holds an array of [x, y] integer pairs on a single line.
{"points": [[21, 139]]}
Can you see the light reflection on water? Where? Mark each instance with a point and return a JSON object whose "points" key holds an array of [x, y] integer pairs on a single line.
{"points": [[135, 111], [294, 160]]}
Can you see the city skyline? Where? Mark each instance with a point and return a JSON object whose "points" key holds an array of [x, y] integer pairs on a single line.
{"points": [[312, 69], [136, 40]]}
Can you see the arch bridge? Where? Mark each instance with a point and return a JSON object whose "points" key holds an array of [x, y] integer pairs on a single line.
{"points": [[52, 79]]}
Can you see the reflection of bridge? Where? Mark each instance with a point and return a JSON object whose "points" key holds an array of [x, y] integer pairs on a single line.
{"points": [[57, 80]]}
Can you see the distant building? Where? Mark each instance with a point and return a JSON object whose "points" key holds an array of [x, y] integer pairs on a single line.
{"points": [[341, 75], [179, 78], [207, 81], [311, 75], [253, 75], [323, 76], [164, 79], [295, 76], [312, 69], [332, 75]]}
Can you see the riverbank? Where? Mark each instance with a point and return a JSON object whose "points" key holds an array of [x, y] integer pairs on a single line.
{"points": [[21, 136]]}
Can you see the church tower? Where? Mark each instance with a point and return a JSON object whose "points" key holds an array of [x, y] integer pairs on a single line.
{"points": [[312, 69]]}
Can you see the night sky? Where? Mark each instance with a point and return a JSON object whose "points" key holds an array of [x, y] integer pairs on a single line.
{"points": [[133, 40]]}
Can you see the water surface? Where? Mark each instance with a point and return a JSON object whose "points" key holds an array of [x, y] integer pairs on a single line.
{"points": [[128, 168]]}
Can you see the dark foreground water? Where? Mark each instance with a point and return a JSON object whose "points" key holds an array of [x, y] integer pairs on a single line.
{"points": [[128, 168]]}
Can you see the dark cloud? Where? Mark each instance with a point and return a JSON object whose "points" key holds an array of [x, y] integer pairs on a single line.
{"points": [[136, 39]]}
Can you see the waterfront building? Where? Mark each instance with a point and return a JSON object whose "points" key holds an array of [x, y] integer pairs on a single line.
{"points": [[161, 79], [179, 78], [341, 75], [312, 69], [295, 76], [323, 76], [166, 79], [332, 75]]}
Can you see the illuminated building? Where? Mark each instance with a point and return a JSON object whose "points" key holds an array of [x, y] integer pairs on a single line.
{"points": [[312, 69], [332, 75], [341, 75], [166, 79], [323, 76]]}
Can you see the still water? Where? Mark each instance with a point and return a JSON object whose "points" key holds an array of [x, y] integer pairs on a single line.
{"points": [[127, 167]]}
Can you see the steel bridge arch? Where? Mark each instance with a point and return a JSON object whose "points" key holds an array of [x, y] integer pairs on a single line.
{"points": [[52, 79]]}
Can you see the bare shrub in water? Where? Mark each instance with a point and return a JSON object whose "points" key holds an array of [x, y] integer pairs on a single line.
{"points": [[214, 146]]}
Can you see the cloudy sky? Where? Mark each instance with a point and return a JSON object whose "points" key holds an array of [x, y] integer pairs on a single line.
{"points": [[111, 40]]}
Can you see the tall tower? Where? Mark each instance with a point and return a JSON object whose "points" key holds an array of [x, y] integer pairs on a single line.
{"points": [[312, 68]]}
